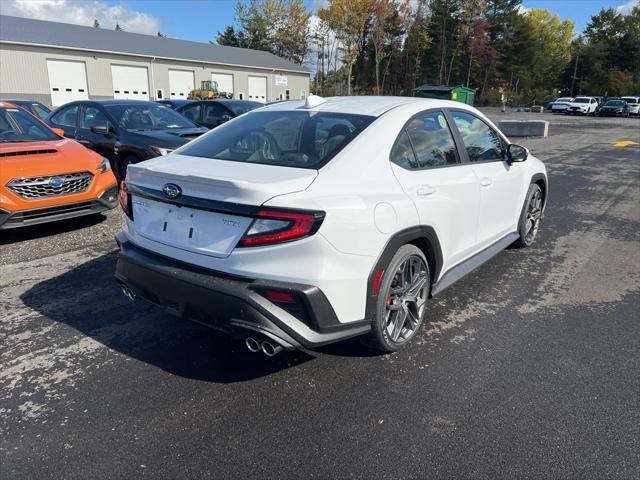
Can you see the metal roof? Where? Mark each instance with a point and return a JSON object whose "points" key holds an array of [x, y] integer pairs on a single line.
{"points": [[63, 35]]}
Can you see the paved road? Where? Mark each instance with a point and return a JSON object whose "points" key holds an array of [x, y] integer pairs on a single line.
{"points": [[528, 368]]}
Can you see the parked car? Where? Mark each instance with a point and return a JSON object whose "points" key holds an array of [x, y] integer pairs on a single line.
{"points": [[212, 113], [615, 108], [582, 106], [173, 103], [32, 106], [124, 131], [634, 104], [46, 177], [561, 104], [307, 222]]}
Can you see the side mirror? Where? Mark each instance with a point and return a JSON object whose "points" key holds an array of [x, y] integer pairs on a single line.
{"points": [[101, 129], [516, 153], [58, 131]]}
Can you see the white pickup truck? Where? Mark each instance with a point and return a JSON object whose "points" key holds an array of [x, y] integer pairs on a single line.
{"points": [[583, 106]]}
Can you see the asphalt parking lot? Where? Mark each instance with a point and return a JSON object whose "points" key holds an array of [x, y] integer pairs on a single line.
{"points": [[527, 368]]}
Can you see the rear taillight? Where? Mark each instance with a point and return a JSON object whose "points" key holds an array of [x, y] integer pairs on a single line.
{"points": [[124, 199], [276, 226]]}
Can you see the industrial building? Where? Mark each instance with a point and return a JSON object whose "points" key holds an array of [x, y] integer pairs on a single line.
{"points": [[56, 63]]}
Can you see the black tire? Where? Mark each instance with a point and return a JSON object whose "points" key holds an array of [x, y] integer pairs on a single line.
{"points": [[121, 171], [530, 217], [402, 300]]}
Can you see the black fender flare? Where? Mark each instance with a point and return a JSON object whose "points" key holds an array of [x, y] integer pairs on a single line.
{"points": [[420, 235], [545, 190]]}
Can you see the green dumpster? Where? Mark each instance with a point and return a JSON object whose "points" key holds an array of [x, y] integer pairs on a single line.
{"points": [[459, 94]]}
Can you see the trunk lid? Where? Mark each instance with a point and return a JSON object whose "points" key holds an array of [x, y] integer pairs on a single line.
{"points": [[180, 223]]}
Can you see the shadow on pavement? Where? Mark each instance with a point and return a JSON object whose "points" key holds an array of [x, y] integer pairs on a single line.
{"points": [[88, 300], [33, 232]]}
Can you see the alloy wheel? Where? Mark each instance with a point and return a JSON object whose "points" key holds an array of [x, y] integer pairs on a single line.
{"points": [[406, 299], [534, 213]]}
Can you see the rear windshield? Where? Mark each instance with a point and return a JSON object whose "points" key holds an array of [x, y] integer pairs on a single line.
{"points": [[614, 103], [282, 138], [18, 126], [238, 107], [147, 116], [632, 100]]}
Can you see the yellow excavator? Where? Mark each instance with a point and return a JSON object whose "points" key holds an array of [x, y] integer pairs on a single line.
{"points": [[208, 91]]}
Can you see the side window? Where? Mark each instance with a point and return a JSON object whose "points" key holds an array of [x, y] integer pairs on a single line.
{"points": [[66, 116], [483, 144], [402, 153], [432, 140], [92, 117], [215, 114], [192, 112]]}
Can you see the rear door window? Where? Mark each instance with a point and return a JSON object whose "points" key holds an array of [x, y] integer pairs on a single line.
{"points": [[192, 112], [425, 142], [285, 138], [215, 115], [93, 117], [67, 116]]}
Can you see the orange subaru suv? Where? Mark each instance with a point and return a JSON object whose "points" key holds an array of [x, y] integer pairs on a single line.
{"points": [[45, 177]]}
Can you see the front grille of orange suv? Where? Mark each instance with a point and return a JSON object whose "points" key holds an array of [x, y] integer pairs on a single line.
{"points": [[51, 186]]}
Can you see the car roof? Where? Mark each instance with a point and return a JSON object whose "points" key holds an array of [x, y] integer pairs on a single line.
{"points": [[364, 105], [224, 100], [19, 101], [120, 101]]}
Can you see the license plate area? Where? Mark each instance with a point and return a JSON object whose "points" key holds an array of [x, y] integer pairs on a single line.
{"points": [[200, 231]]}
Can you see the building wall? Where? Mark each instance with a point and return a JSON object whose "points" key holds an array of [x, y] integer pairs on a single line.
{"points": [[23, 73]]}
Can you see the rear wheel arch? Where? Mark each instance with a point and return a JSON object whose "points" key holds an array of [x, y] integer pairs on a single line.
{"points": [[423, 237]]}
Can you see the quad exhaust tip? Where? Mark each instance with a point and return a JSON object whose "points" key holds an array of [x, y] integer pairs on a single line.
{"points": [[252, 344], [269, 348], [128, 292]]}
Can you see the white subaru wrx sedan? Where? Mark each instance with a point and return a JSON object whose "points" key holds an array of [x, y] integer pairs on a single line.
{"points": [[307, 222]]}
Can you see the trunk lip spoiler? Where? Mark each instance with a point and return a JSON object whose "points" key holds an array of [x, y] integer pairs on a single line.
{"points": [[239, 209], [206, 204]]}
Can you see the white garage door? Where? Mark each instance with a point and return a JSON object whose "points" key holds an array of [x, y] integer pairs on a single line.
{"points": [[180, 83], [67, 81], [130, 82], [258, 89], [225, 82]]}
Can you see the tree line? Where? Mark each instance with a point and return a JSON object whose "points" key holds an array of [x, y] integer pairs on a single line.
{"points": [[388, 47]]}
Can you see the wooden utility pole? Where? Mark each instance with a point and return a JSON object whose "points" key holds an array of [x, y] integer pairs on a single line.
{"points": [[575, 71]]}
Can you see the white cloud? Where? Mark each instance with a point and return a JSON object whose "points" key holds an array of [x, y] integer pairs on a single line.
{"points": [[83, 12], [626, 8], [522, 10]]}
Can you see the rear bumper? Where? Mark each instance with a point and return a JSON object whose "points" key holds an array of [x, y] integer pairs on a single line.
{"points": [[22, 218], [231, 304]]}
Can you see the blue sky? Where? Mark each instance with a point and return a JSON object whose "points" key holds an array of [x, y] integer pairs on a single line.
{"points": [[200, 20]]}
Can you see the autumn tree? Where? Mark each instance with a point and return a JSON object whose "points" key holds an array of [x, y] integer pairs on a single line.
{"points": [[348, 19], [382, 15]]}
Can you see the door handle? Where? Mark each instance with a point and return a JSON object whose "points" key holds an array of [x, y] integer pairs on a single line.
{"points": [[486, 182], [425, 190]]}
